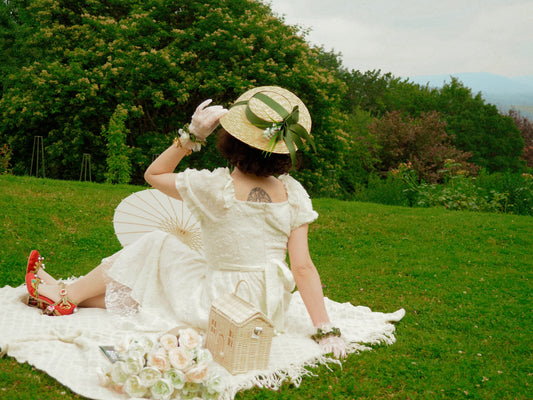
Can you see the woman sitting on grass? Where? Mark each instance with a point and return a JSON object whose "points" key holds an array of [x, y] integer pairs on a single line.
{"points": [[250, 218]]}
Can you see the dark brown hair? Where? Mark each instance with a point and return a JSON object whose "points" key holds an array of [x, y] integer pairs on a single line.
{"points": [[249, 159]]}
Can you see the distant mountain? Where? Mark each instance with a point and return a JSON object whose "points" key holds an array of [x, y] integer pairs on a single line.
{"points": [[502, 91]]}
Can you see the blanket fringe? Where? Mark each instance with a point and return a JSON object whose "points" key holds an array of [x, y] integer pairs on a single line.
{"points": [[294, 374], [3, 351]]}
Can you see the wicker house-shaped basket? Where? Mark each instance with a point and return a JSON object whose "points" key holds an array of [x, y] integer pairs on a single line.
{"points": [[239, 335]]}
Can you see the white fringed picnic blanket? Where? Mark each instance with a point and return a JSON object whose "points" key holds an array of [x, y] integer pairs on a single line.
{"points": [[67, 348]]}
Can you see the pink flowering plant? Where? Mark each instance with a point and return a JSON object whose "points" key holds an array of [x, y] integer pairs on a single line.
{"points": [[173, 367]]}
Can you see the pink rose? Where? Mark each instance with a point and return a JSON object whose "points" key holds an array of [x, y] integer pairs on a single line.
{"points": [[179, 358], [197, 374], [159, 360], [189, 338], [168, 341]]}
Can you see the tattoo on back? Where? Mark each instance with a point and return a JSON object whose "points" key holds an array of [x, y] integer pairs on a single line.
{"points": [[259, 195]]}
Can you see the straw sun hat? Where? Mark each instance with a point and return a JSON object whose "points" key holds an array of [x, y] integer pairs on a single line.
{"points": [[271, 119]]}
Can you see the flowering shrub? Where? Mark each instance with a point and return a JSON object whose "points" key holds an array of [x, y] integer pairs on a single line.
{"points": [[73, 65], [170, 368]]}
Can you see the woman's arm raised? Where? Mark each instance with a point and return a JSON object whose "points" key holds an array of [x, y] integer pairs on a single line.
{"points": [[160, 174]]}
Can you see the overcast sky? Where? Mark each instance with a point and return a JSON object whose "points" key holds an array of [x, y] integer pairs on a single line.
{"points": [[420, 37]]}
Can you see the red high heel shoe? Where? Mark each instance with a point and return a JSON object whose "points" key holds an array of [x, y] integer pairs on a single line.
{"points": [[35, 262], [61, 307]]}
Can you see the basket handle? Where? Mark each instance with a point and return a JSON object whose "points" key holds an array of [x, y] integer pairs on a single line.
{"points": [[247, 287]]}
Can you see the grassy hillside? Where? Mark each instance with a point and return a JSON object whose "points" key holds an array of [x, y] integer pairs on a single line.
{"points": [[464, 279]]}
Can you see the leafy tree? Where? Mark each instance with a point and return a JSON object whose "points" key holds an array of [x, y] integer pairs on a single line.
{"points": [[477, 127], [422, 143], [74, 62], [526, 131], [360, 152], [473, 125], [370, 91]]}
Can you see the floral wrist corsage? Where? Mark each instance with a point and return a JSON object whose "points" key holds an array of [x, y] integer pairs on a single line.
{"points": [[324, 332], [188, 141]]}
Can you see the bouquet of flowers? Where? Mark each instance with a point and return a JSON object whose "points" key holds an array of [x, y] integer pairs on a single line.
{"points": [[171, 368]]}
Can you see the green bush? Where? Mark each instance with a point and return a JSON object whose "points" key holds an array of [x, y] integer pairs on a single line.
{"points": [[503, 192], [461, 193], [390, 191], [5, 159], [518, 187], [118, 162]]}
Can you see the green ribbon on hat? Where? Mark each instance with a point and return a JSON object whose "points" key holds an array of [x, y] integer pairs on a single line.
{"points": [[288, 130]]}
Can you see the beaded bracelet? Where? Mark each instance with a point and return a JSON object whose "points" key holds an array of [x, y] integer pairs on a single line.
{"points": [[324, 332]]}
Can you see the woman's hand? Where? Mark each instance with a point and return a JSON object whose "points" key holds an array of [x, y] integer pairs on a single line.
{"points": [[205, 119], [333, 344]]}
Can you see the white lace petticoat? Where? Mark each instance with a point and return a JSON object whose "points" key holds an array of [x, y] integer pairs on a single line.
{"points": [[118, 298]]}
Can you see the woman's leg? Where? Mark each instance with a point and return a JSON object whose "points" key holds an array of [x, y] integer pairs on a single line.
{"points": [[46, 277], [94, 302], [87, 289]]}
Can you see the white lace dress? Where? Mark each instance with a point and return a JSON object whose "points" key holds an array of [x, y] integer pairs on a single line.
{"points": [[242, 241]]}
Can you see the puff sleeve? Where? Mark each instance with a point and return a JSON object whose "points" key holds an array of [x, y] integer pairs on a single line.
{"points": [[202, 191], [301, 207]]}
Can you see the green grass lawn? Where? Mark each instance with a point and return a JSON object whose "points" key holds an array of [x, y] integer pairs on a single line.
{"points": [[464, 279]]}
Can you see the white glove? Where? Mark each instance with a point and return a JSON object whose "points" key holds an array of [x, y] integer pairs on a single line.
{"points": [[333, 344], [205, 119]]}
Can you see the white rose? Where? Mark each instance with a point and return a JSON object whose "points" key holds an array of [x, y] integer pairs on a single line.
{"points": [[137, 346], [190, 390], [203, 356], [197, 374], [103, 377], [119, 373], [148, 345], [134, 387], [168, 341], [124, 344], [176, 377], [134, 364], [214, 384], [149, 376], [133, 353], [162, 390], [159, 360], [189, 338], [179, 358]]}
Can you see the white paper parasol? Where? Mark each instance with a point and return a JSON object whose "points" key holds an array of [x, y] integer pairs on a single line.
{"points": [[150, 210]]}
